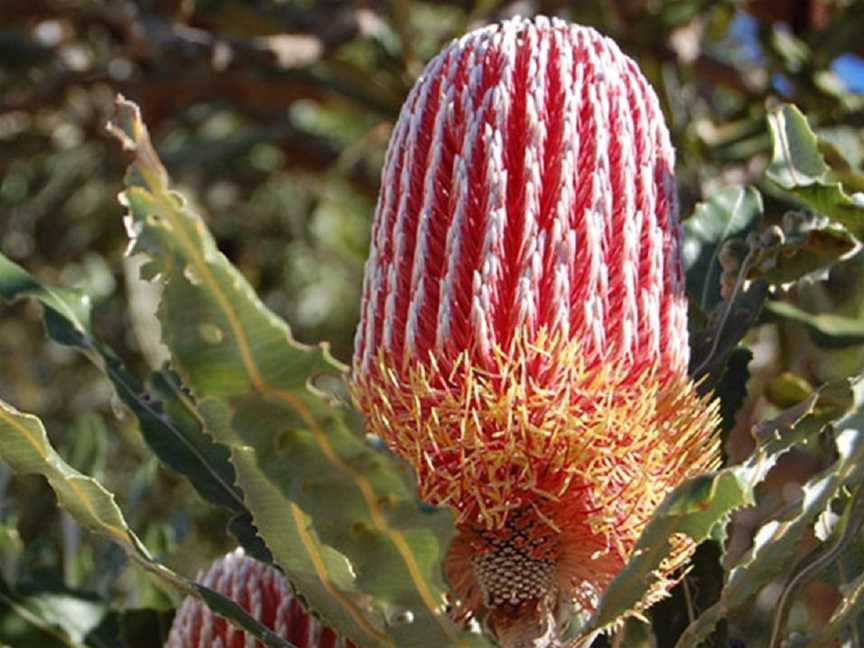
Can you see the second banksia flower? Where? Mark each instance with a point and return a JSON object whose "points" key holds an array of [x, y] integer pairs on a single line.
{"points": [[263, 592], [523, 335]]}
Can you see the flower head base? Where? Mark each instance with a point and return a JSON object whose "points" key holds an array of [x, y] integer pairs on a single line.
{"points": [[523, 335], [263, 592]]}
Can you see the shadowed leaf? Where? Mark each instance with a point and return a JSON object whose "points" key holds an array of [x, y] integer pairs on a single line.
{"points": [[730, 213], [808, 253], [848, 329]]}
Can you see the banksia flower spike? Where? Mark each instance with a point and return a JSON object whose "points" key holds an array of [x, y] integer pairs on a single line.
{"points": [[263, 592], [523, 335]]}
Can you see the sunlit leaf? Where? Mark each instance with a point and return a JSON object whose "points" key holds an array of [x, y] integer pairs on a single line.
{"points": [[336, 513], [24, 446], [701, 506], [166, 416], [798, 167], [776, 543]]}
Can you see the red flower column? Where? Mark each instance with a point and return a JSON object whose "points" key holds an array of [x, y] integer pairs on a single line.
{"points": [[523, 335], [264, 593]]}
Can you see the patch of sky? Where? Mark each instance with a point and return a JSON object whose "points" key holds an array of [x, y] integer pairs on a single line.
{"points": [[739, 45], [850, 69], [743, 30], [781, 84]]}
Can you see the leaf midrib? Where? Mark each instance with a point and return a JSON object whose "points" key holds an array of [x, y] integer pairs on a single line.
{"points": [[260, 385]]}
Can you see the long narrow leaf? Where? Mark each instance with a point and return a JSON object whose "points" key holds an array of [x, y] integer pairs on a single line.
{"points": [[168, 425], [25, 447], [701, 506], [776, 543]]}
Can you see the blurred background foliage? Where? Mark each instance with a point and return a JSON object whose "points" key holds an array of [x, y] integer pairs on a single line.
{"points": [[273, 115]]}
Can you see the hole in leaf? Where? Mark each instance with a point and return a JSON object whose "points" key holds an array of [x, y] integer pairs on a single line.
{"points": [[210, 333], [191, 276]]}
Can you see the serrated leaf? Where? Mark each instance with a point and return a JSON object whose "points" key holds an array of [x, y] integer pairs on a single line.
{"points": [[699, 589], [808, 255], [693, 508], [732, 212], [776, 543], [188, 450], [243, 528], [322, 575], [850, 450], [169, 424], [847, 614], [324, 500], [699, 506], [24, 446], [229, 609], [797, 167]]}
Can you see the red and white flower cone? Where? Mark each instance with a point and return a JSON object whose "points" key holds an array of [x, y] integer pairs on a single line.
{"points": [[263, 592], [523, 335]]}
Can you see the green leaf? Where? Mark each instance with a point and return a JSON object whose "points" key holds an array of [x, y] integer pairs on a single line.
{"points": [[847, 614], [808, 253], [336, 513], [322, 575], [723, 220], [25, 447], [69, 616], [797, 167], [187, 449], [732, 212], [700, 588], [848, 329], [726, 325], [167, 417], [701, 506], [732, 388], [635, 634], [776, 543], [70, 306], [803, 247], [694, 508], [823, 556]]}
